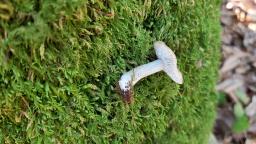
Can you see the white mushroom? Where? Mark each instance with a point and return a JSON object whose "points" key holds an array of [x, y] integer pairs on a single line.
{"points": [[166, 61]]}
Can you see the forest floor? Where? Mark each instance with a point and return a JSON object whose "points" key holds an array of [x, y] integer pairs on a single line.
{"points": [[60, 62], [236, 112]]}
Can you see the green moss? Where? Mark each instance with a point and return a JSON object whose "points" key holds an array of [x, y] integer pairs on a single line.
{"points": [[60, 61]]}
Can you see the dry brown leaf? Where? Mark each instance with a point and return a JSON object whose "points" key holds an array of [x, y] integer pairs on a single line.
{"points": [[232, 61], [229, 85], [251, 133], [243, 69], [227, 38], [250, 141], [250, 110]]}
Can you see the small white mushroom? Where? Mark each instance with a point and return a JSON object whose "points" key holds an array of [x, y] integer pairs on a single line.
{"points": [[166, 61]]}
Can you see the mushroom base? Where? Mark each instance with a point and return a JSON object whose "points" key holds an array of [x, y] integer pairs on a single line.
{"points": [[127, 96]]}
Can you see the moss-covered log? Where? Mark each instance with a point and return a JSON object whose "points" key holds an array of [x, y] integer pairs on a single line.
{"points": [[60, 62]]}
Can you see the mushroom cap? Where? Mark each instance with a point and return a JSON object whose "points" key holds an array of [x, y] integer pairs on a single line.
{"points": [[169, 60]]}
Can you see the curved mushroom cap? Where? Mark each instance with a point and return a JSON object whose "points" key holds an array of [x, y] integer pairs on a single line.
{"points": [[169, 60]]}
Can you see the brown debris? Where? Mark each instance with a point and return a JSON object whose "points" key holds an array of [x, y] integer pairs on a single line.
{"points": [[245, 10], [238, 69], [250, 141], [251, 109], [238, 49]]}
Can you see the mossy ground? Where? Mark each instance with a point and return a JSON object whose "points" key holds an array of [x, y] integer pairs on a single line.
{"points": [[60, 61]]}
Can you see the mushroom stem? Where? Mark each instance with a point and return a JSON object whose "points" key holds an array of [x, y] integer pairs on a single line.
{"points": [[166, 61], [136, 74]]}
